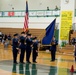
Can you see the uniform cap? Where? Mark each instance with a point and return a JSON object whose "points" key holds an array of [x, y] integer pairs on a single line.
{"points": [[16, 34], [28, 34]]}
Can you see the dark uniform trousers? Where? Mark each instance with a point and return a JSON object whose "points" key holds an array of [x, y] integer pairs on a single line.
{"points": [[53, 50], [28, 49], [35, 49], [28, 52], [15, 51], [35, 54], [23, 48], [53, 53]]}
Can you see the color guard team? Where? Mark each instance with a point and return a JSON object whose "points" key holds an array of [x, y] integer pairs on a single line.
{"points": [[27, 43], [24, 43]]}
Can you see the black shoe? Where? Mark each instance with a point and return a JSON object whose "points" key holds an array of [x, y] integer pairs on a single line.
{"points": [[28, 62], [34, 62], [22, 62], [52, 60]]}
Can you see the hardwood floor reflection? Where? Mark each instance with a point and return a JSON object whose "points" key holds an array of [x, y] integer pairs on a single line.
{"points": [[63, 60]]}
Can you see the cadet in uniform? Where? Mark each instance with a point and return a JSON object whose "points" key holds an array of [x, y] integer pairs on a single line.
{"points": [[15, 47], [22, 46], [53, 48], [35, 49], [28, 47]]}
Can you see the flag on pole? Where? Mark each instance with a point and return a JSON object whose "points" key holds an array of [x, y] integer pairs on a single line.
{"points": [[49, 33], [25, 28]]}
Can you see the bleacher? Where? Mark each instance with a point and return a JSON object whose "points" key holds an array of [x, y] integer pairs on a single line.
{"points": [[35, 32], [40, 34]]}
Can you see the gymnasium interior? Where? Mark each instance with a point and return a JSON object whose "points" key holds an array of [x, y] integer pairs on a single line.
{"points": [[41, 14]]}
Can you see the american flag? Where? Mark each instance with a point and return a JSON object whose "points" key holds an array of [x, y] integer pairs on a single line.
{"points": [[25, 28]]}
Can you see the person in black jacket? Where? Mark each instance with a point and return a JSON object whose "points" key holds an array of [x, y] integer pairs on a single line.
{"points": [[54, 43], [15, 47], [35, 49], [28, 47], [22, 46]]}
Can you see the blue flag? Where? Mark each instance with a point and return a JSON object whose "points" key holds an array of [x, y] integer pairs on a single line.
{"points": [[49, 33]]}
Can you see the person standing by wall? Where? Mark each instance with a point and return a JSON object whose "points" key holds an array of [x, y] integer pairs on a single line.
{"points": [[54, 43]]}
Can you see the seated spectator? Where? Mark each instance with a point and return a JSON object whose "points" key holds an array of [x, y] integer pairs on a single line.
{"points": [[0, 36], [0, 33], [72, 41], [5, 37], [6, 43], [9, 37]]}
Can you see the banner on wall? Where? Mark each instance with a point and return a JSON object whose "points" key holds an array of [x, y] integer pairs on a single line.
{"points": [[32, 13], [56, 12], [10, 13], [40, 13], [17, 13], [23, 14], [4, 13], [48, 13], [66, 24]]}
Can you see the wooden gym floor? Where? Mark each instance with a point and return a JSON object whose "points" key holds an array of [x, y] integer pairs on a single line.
{"points": [[44, 66]]}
